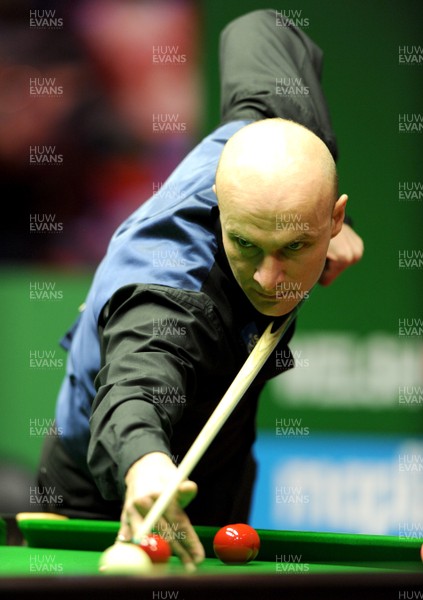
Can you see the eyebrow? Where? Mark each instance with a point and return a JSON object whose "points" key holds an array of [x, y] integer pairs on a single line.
{"points": [[301, 237]]}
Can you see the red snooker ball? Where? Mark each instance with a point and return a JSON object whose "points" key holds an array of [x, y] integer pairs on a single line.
{"points": [[157, 548], [236, 544]]}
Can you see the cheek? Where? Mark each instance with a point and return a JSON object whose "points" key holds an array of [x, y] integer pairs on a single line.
{"points": [[238, 266], [315, 263], [236, 262], [310, 266]]}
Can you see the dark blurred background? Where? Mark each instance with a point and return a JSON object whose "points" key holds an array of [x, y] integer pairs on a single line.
{"points": [[99, 101]]}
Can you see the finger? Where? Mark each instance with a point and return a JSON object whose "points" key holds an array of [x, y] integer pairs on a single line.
{"points": [[331, 271], [125, 529], [187, 552], [175, 536], [180, 531], [174, 527], [348, 256], [186, 493], [124, 534], [135, 516], [347, 246], [190, 554], [184, 541]]}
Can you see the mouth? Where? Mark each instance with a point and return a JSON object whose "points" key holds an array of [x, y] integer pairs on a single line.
{"points": [[266, 296]]}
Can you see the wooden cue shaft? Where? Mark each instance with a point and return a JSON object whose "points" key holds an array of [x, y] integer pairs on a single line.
{"points": [[258, 356]]}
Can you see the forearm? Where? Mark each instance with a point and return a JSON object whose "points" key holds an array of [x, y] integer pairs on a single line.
{"points": [[147, 380]]}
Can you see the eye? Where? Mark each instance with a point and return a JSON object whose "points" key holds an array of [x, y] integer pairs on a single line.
{"points": [[295, 246], [243, 243]]}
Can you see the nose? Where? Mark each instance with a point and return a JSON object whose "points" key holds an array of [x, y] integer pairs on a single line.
{"points": [[269, 273]]}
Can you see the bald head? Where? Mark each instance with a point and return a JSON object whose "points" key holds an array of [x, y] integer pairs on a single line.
{"points": [[277, 193], [279, 159]]}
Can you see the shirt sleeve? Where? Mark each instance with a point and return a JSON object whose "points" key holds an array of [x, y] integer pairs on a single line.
{"points": [[152, 341]]}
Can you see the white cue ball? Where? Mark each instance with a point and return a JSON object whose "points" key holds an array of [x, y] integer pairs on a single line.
{"points": [[124, 558]]}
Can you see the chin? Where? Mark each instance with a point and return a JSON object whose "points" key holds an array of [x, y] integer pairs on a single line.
{"points": [[279, 309]]}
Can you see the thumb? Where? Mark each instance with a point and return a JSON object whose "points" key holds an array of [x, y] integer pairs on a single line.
{"points": [[186, 492]]}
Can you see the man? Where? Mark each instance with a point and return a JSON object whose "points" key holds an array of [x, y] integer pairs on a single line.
{"points": [[189, 282]]}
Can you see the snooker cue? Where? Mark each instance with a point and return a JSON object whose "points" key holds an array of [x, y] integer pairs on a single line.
{"points": [[256, 359]]}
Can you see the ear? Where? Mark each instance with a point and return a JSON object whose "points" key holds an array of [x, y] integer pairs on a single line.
{"points": [[338, 214]]}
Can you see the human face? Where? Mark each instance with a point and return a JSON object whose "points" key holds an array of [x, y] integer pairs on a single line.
{"points": [[276, 256]]}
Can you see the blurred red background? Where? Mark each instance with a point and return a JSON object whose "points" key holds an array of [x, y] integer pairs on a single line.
{"points": [[107, 95]]}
